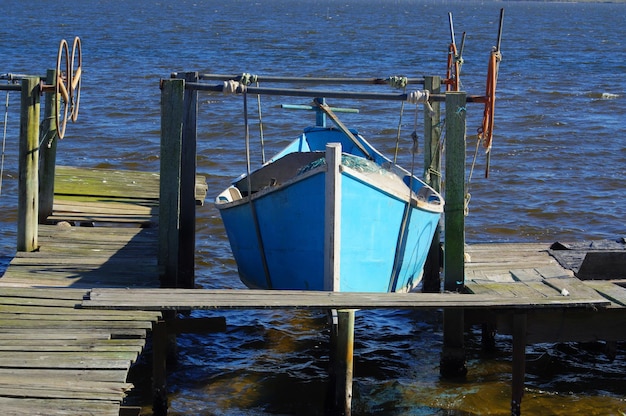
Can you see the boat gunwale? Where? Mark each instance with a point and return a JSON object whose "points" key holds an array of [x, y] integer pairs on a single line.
{"points": [[416, 202]]}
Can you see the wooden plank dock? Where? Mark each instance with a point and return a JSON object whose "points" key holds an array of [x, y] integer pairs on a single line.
{"points": [[75, 313], [54, 357]]}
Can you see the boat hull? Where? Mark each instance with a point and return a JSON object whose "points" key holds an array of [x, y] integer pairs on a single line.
{"points": [[277, 235]]}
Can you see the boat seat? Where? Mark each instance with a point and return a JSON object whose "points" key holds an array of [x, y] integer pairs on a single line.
{"points": [[231, 194]]}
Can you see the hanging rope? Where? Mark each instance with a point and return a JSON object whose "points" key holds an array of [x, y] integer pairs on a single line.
{"points": [[4, 138], [468, 195], [400, 83], [395, 155], [247, 139], [431, 170], [245, 80], [414, 135], [258, 102]]}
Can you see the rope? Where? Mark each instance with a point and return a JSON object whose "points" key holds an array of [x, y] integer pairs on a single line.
{"points": [[414, 135], [247, 79], [4, 138], [233, 87], [415, 97], [398, 82], [258, 103], [468, 196], [395, 155]]}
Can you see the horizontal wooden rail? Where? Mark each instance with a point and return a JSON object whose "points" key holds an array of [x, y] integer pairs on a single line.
{"points": [[198, 299]]}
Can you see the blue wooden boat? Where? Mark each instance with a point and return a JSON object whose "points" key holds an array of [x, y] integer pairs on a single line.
{"points": [[329, 212]]}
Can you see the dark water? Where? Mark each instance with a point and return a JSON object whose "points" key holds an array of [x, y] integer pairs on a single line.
{"points": [[557, 171]]}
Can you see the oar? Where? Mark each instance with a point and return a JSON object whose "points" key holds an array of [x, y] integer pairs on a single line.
{"points": [[326, 109]]}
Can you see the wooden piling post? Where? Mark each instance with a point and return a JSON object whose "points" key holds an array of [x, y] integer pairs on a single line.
{"points": [[454, 210], [159, 368], [49, 150], [345, 360], [432, 176], [187, 248], [519, 362], [172, 116], [28, 199], [453, 355], [342, 345]]}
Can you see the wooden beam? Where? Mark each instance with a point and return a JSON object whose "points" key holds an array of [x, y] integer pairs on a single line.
{"points": [[432, 176], [454, 210], [172, 114], [332, 215], [192, 299], [28, 199], [187, 221], [49, 151], [519, 362]]}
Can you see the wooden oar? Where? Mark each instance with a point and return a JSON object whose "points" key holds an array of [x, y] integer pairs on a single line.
{"points": [[326, 109]]}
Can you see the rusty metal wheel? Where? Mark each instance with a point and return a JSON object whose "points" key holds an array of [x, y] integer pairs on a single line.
{"points": [[76, 73], [62, 87]]}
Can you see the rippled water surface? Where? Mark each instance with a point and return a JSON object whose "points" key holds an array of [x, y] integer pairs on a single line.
{"points": [[558, 167]]}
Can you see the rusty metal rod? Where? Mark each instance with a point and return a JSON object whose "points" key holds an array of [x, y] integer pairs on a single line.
{"points": [[324, 93]]}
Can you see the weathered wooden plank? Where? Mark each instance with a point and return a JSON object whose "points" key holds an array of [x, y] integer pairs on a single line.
{"points": [[75, 334], [571, 287], [45, 392], [85, 332], [114, 183], [526, 275], [611, 291], [81, 314], [72, 324], [116, 208], [68, 384], [5, 300], [71, 375], [163, 299], [12, 406], [135, 345], [39, 360], [106, 182], [45, 294]]}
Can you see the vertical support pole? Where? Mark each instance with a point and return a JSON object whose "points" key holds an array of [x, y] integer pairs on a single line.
{"points": [[345, 360], [49, 151], [343, 342], [453, 355], [332, 218], [519, 362], [454, 210], [432, 176], [159, 368], [187, 248], [320, 116], [172, 100], [28, 199]]}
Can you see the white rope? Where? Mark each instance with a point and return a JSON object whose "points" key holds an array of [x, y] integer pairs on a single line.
{"points": [[4, 138], [233, 87], [415, 97]]}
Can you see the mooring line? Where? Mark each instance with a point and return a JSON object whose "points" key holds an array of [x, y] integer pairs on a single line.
{"points": [[4, 138]]}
